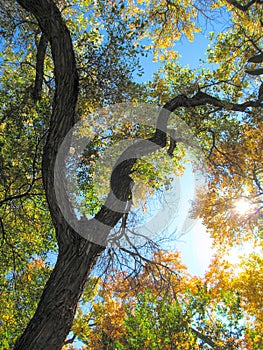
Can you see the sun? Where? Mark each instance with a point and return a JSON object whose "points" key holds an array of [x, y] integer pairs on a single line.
{"points": [[242, 206]]}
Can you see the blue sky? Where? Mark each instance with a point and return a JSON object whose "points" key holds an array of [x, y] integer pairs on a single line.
{"points": [[195, 244], [190, 54], [186, 235]]}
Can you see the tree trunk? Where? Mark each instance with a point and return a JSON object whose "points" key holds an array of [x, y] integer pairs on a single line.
{"points": [[55, 313], [52, 321]]}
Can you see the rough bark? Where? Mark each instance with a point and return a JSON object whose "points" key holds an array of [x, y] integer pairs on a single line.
{"points": [[54, 315], [53, 318]]}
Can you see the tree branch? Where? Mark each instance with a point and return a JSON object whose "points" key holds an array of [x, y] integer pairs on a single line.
{"points": [[240, 7], [39, 78], [206, 339], [34, 178]]}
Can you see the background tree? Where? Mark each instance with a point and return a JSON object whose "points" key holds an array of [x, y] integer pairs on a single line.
{"points": [[169, 309]]}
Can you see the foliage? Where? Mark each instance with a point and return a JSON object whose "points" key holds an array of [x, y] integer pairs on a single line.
{"points": [[164, 310]]}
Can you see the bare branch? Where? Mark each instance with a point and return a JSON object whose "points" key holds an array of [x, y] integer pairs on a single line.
{"points": [[256, 59], [257, 71]]}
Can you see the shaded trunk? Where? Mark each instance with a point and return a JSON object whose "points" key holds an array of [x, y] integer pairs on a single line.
{"points": [[52, 321], [55, 313]]}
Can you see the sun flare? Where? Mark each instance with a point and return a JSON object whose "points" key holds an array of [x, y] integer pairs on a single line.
{"points": [[242, 206]]}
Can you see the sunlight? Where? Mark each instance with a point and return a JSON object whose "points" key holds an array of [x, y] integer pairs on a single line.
{"points": [[239, 253], [242, 206]]}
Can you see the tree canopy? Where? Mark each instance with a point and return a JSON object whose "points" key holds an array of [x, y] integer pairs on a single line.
{"points": [[64, 64]]}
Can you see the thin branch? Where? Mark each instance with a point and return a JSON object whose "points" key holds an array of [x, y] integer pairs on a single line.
{"points": [[214, 146], [21, 195], [34, 178], [240, 7], [206, 339], [39, 78], [257, 181], [149, 261]]}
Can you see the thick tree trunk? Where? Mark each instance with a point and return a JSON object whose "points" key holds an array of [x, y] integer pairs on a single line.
{"points": [[52, 321], [55, 313]]}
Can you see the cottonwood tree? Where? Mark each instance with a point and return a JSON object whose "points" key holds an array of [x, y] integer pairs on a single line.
{"points": [[56, 308]]}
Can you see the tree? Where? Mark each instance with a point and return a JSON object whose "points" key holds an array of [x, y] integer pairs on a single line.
{"points": [[65, 77], [211, 106]]}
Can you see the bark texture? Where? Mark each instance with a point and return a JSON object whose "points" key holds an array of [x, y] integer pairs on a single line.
{"points": [[53, 318]]}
